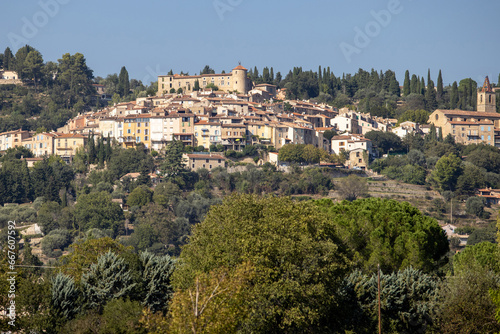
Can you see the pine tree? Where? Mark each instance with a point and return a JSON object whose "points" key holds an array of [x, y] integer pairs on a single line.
{"points": [[454, 96], [156, 277], [144, 177], [439, 95], [65, 294], [173, 165], [406, 85], [107, 279]]}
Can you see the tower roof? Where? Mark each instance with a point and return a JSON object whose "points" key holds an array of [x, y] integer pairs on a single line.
{"points": [[487, 86], [239, 67]]}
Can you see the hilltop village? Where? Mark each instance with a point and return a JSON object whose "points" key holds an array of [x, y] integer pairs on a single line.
{"points": [[218, 112]]}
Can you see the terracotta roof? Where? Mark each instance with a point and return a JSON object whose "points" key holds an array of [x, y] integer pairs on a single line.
{"points": [[457, 112], [205, 156], [70, 135], [233, 125], [239, 67]]}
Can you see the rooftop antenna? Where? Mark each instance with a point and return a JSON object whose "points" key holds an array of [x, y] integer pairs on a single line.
{"points": [[239, 63]]}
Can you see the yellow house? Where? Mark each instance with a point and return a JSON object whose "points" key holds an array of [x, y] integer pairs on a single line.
{"points": [[136, 130], [207, 133], [65, 145], [41, 144]]}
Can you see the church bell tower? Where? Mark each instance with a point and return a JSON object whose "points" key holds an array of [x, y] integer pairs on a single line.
{"points": [[486, 99]]}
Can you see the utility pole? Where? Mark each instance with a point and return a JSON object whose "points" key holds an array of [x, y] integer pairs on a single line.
{"points": [[451, 211], [379, 308]]}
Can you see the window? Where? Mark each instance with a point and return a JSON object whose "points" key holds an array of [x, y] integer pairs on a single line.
{"points": [[482, 137], [41, 145], [137, 139], [145, 138], [482, 128], [203, 165], [138, 130], [129, 131], [193, 165], [139, 124], [489, 128], [219, 160], [489, 138], [210, 166], [206, 161], [437, 117]]}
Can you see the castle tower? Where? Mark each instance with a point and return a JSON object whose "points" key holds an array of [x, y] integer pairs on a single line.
{"points": [[486, 99], [240, 79]]}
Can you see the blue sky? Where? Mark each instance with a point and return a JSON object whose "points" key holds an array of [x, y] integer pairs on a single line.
{"points": [[151, 37]]}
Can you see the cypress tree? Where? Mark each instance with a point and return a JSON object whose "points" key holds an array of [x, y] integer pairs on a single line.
{"points": [[272, 75], [255, 74], [439, 95], [414, 85], [422, 86], [430, 93], [123, 82], [454, 96], [108, 150], [196, 85], [100, 151], [92, 151], [406, 85], [9, 60]]}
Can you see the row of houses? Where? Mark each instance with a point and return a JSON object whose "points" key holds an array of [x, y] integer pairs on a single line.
{"points": [[44, 143]]}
